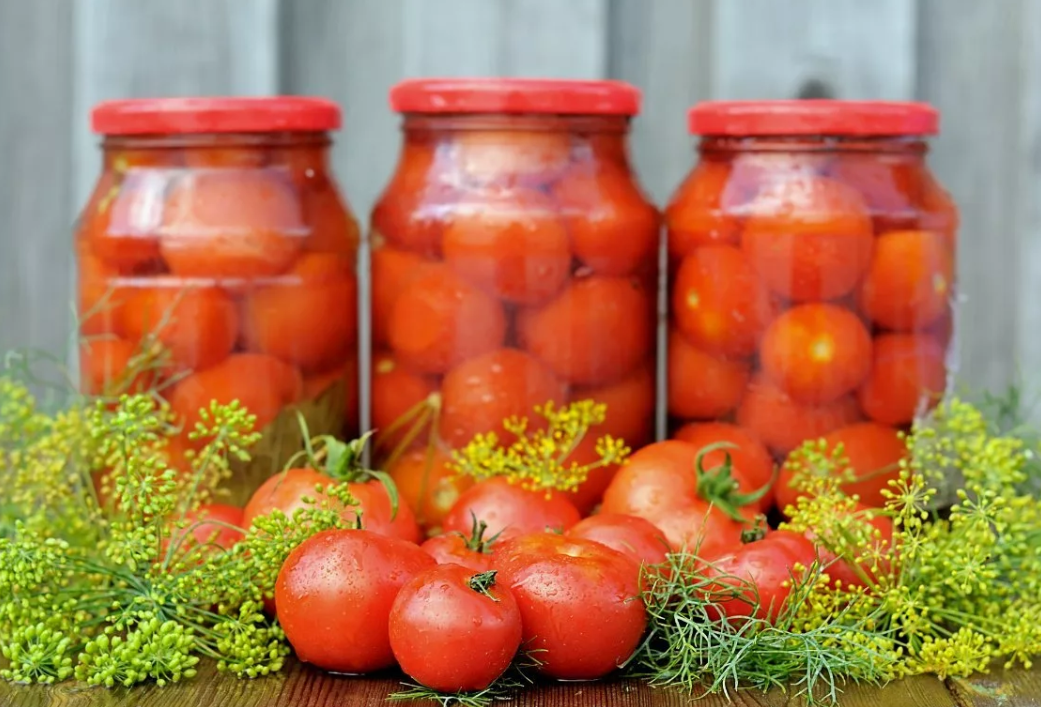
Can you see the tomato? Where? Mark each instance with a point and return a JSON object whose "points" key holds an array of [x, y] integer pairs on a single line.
{"points": [[769, 566], [630, 406], [214, 527], [702, 385], [120, 221], [701, 529], [718, 304], [748, 455], [454, 631], [509, 510], [472, 551], [508, 156], [477, 395], [440, 320], [286, 492], [231, 224], [511, 243], [613, 227], [910, 282], [379, 515], [392, 271], [410, 212], [264, 385], [887, 184], [632, 536], [783, 424], [598, 330], [333, 227], [105, 368], [589, 493], [199, 326], [700, 210], [579, 602], [397, 394], [334, 569], [873, 453], [908, 376], [98, 299], [816, 352], [427, 484], [809, 238], [310, 321]]}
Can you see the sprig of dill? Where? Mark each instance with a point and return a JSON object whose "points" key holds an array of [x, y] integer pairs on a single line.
{"points": [[518, 676]]}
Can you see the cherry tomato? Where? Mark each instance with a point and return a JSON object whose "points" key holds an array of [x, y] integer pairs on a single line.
{"points": [[397, 394], [428, 484], [440, 320], [748, 455], [701, 211], [513, 155], [809, 238], [98, 298], [333, 227], [598, 330], [264, 385], [120, 221], [478, 394], [199, 326], [613, 228], [702, 385], [105, 368], [908, 376], [473, 551], [888, 185], [411, 211], [379, 515], [579, 602], [632, 536], [718, 304], [231, 224], [873, 453], [511, 243], [770, 565], [816, 352], [783, 424], [910, 281], [392, 271], [453, 630], [509, 510], [311, 320], [630, 406], [334, 569]]}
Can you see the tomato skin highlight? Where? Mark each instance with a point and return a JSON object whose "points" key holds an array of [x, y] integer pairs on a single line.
{"points": [[579, 602], [450, 637], [510, 510], [334, 595]]}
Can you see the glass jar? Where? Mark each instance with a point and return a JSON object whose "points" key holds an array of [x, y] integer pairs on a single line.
{"points": [[218, 261], [514, 262], [811, 271]]}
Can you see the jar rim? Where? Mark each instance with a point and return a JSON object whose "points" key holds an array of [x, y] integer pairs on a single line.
{"points": [[515, 96], [200, 115], [825, 116]]}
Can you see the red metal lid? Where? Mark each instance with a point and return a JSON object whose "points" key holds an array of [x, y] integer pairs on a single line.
{"points": [[165, 116], [813, 117], [487, 95]]}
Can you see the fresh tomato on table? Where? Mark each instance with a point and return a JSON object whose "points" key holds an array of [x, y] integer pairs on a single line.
{"points": [[509, 510], [632, 536]]}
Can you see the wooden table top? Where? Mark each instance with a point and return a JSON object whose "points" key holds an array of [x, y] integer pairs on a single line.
{"points": [[300, 686]]}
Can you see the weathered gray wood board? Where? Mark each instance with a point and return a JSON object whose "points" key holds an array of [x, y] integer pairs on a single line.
{"points": [[979, 62]]}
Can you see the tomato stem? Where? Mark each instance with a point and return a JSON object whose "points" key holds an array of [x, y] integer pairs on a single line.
{"points": [[477, 542], [756, 532], [483, 582], [718, 485]]}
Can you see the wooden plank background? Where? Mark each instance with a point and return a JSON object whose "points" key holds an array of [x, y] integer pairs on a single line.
{"points": [[979, 62]]}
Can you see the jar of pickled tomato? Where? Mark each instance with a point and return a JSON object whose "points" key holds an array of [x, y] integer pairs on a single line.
{"points": [[217, 261], [514, 263], [811, 270]]}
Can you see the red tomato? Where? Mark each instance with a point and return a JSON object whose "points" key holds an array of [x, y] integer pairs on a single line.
{"points": [[783, 424], [632, 536], [700, 212], [908, 376], [873, 453], [630, 406], [702, 385], [808, 237], [579, 602], [597, 330], [887, 184], [98, 299], [510, 510], [816, 352], [121, 219], [910, 281], [440, 320], [199, 326], [231, 224], [410, 213], [509, 242], [614, 230], [214, 527], [428, 484], [392, 270], [718, 303], [396, 396], [861, 569], [473, 552], [336, 569], [454, 631], [748, 455], [478, 394], [104, 368], [701, 529]]}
